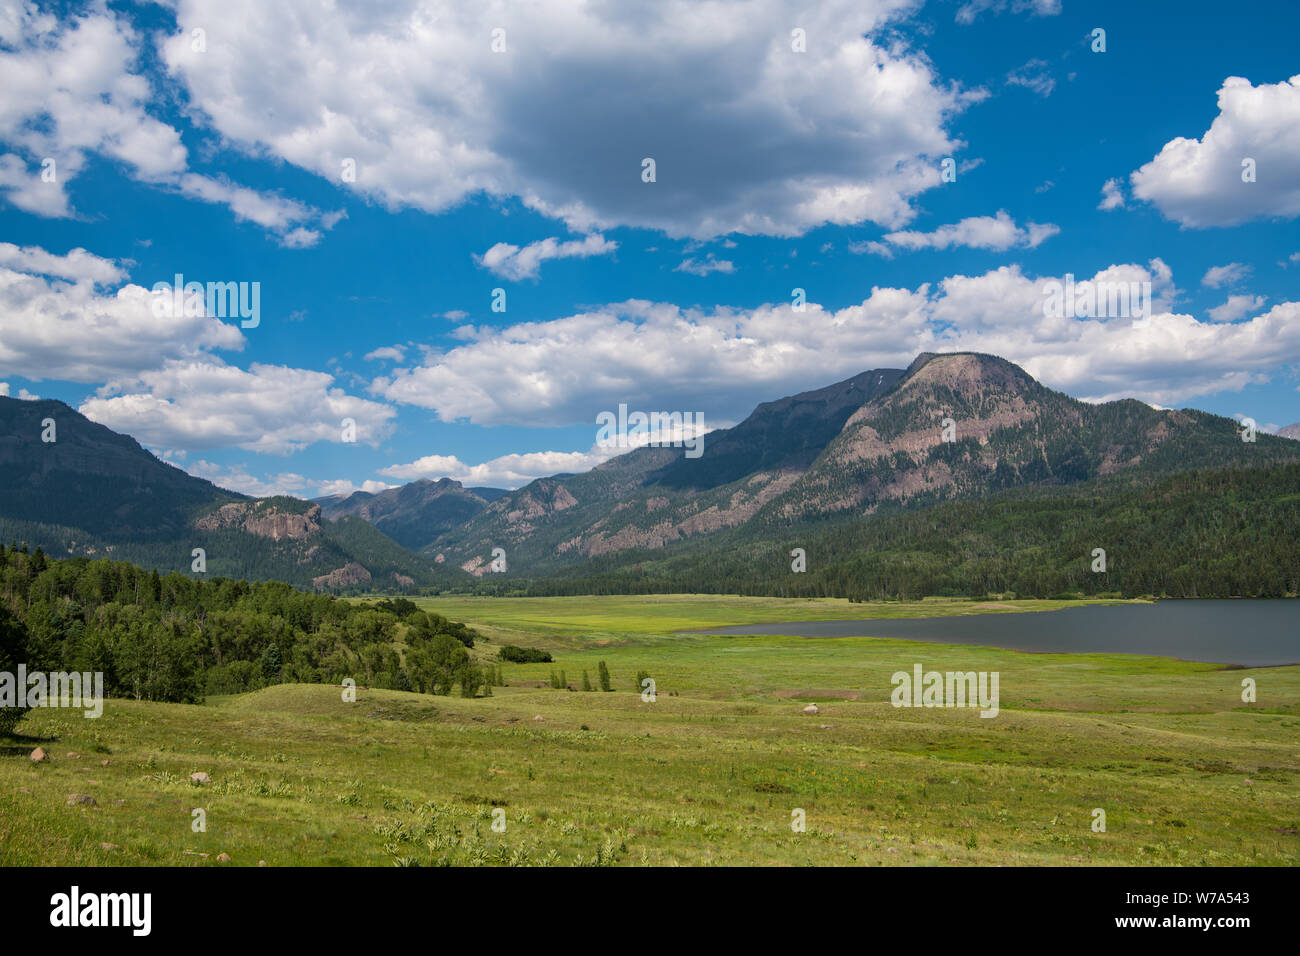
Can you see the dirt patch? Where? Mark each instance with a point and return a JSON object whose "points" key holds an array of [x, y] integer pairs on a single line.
{"points": [[819, 694]]}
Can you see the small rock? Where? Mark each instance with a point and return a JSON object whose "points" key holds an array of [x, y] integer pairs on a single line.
{"points": [[223, 857], [200, 778], [812, 709], [539, 717], [118, 803], [103, 763], [892, 849], [85, 799], [109, 846], [261, 863], [74, 756], [828, 726], [38, 755]]}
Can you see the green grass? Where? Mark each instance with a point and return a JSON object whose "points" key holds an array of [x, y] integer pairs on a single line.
{"points": [[709, 773]]}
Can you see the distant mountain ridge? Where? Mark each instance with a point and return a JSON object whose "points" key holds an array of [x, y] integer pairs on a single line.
{"points": [[875, 442], [96, 493], [414, 515], [950, 427]]}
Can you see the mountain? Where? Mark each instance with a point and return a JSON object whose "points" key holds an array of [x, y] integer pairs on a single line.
{"points": [[89, 491], [90, 477], [415, 514], [1290, 431], [870, 445], [787, 433]]}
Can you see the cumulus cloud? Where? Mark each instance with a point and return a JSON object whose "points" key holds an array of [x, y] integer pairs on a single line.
{"points": [[241, 479], [997, 233], [1236, 307], [1216, 277], [72, 89], [507, 471], [76, 266], [514, 262], [393, 353], [1112, 195], [206, 404], [747, 135], [22, 393], [55, 322], [723, 361], [1198, 183]]}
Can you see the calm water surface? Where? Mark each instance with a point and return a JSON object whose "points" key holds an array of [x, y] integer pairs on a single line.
{"points": [[1249, 633]]}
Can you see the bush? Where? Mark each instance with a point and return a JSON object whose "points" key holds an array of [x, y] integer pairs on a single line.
{"points": [[603, 675], [523, 655]]}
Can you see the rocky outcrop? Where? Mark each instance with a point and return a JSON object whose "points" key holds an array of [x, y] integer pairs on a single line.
{"points": [[262, 519], [351, 573]]}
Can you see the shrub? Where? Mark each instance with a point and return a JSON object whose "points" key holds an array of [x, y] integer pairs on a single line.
{"points": [[603, 675], [523, 655]]}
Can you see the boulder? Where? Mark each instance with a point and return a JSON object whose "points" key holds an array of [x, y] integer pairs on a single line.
{"points": [[38, 755], [200, 778], [82, 799], [812, 709]]}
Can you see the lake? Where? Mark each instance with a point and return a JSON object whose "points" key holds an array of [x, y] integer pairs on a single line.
{"points": [[1248, 633]]}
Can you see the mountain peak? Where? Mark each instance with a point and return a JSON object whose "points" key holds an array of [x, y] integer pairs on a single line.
{"points": [[962, 371]]}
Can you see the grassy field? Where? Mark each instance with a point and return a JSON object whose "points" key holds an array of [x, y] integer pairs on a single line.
{"points": [[711, 772]]}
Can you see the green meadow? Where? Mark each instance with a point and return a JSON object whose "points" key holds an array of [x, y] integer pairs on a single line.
{"points": [[714, 770]]}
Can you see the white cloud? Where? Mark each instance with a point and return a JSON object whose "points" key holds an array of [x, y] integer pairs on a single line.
{"points": [[1216, 277], [997, 233], [507, 471], [702, 267], [69, 330], [72, 89], [23, 394], [343, 486], [77, 265], [1198, 183], [723, 361], [206, 404], [394, 353], [25, 189], [1112, 195], [513, 262], [1033, 76], [971, 9], [747, 135], [1236, 307], [239, 478]]}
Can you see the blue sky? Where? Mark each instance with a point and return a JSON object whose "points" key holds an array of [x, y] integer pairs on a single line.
{"points": [[209, 139]]}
